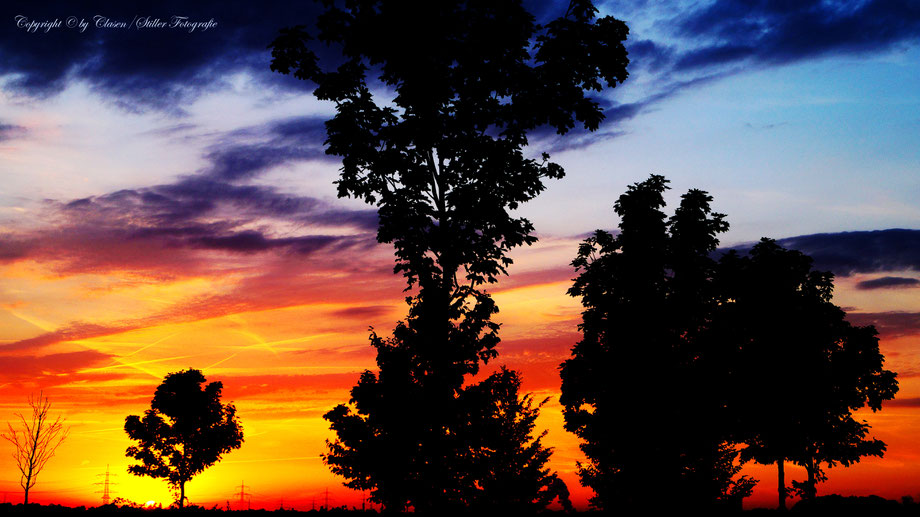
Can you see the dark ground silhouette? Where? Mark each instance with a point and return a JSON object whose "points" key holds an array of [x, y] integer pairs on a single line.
{"points": [[822, 505]]}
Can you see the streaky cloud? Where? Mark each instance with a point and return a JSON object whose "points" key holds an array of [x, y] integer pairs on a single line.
{"points": [[846, 253], [719, 39], [11, 131], [280, 142], [888, 282], [908, 402], [785, 32], [363, 312], [48, 369], [889, 324]]}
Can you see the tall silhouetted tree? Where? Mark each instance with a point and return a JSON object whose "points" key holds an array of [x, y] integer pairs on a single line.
{"points": [[35, 441], [186, 430], [803, 368], [434, 103], [621, 283], [644, 389]]}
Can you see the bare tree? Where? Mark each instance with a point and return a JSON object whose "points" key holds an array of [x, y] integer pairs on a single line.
{"points": [[35, 441]]}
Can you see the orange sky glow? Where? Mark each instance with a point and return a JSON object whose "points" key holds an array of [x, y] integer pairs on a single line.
{"points": [[288, 353]]}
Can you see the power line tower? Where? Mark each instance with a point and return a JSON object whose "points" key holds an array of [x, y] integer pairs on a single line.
{"points": [[106, 486], [244, 495]]}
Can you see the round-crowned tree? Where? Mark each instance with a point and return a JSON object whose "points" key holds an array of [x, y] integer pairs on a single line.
{"points": [[186, 430]]}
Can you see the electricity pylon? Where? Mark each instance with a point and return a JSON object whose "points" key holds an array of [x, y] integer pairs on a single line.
{"points": [[243, 495], [106, 484]]}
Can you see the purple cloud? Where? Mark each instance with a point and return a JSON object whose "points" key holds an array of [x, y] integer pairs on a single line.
{"points": [[846, 253], [888, 282], [889, 324]]}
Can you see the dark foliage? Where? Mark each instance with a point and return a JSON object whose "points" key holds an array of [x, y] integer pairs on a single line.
{"points": [[443, 159], [486, 456], [508, 464], [434, 102], [749, 350], [186, 430], [643, 389], [802, 368]]}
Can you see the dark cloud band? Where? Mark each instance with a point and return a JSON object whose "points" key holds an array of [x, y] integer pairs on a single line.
{"points": [[142, 65], [888, 282], [847, 253]]}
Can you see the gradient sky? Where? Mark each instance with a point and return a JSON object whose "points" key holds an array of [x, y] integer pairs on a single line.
{"points": [[165, 203]]}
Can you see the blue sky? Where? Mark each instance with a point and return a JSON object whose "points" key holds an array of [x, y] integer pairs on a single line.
{"points": [[813, 130], [829, 144]]}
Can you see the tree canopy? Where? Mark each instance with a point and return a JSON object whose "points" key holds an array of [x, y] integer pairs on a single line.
{"points": [[491, 457], [186, 430], [639, 375], [434, 104], [803, 369], [684, 360]]}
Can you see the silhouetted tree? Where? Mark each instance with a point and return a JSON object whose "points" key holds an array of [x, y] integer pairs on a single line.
{"points": [[35, 441], [505, 462], [186, 430], [644, 389], [747, 350], [434, 103], [489, 456], [803, 367], [380, 446], [707, 456], [621, 283], [730, 488], [857, 379]]}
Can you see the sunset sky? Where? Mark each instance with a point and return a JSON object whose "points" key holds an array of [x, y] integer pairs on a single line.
{"points": [[166, 203]]}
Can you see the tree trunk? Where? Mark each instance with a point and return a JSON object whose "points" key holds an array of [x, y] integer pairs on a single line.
{"points": [[32, 462], [781, 483], [27, 486], [181, 494], [812, 484]]}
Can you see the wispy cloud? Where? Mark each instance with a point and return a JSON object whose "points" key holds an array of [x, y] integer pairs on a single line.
{"points": [[679, 47], [245, 153], [48, 369], [888, 282], [889, 324], [10, 131]]}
